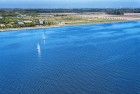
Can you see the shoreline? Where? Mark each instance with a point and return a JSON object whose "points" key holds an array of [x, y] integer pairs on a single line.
{"points": [[56, 26]]}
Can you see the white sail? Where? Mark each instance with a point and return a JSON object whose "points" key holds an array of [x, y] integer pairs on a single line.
{"points": [[38, 49], [43, 36]]}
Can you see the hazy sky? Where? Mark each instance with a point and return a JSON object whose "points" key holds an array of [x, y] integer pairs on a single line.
{"points": [[68, 3]]}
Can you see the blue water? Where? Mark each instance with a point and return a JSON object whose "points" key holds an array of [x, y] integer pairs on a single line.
{"points": [[87, 59]]}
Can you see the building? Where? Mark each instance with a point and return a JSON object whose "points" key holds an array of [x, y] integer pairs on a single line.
{"points": [[41, 22], [21, 16], [9, 25], [2, 25], [20, 23], [1, 17], [28, 21], [61, 23]]}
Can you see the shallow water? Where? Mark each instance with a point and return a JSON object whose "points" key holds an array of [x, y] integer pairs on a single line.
{"points": [[87, 59]]}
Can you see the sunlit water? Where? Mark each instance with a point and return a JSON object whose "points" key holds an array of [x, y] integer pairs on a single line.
{"points": [[87, 59]]}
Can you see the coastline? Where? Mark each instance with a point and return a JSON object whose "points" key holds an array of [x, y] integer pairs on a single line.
{"points": [[55, 26]]}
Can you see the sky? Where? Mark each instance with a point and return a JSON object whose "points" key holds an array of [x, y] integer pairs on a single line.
{"points": [[69, 3]]}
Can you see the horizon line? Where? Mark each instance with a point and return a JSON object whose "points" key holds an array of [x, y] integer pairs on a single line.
{"points": [[75, 8]]}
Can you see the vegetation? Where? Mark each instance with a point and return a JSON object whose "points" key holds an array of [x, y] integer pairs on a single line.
{"points": [[17, 18]]}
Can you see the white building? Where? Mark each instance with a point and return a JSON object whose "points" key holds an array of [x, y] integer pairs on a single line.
{"points": [[41, 22], [20, 23], [28, 21], [2, 25]]}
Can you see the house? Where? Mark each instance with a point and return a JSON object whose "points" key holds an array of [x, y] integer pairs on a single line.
{"points": [[61, 23], [41, 22], [20, 23], [1, 17], [28, 21], [9, 25], [21, 16], [2, 25], [12, 23]]}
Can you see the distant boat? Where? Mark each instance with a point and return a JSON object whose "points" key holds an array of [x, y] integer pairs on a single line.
{"points": [[38, 46], [43, 36], [38, 49]]}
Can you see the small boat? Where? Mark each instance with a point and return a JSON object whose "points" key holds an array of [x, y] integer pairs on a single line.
{"points": [[38, 49], [38, 46], [43, 36]]}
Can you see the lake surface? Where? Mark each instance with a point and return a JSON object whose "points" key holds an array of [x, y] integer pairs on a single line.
{"points": [[86, 59]]}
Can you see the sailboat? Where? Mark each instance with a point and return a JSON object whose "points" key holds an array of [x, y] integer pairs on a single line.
{"points": [[43, 36], [38, 46], [38, 49]]}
